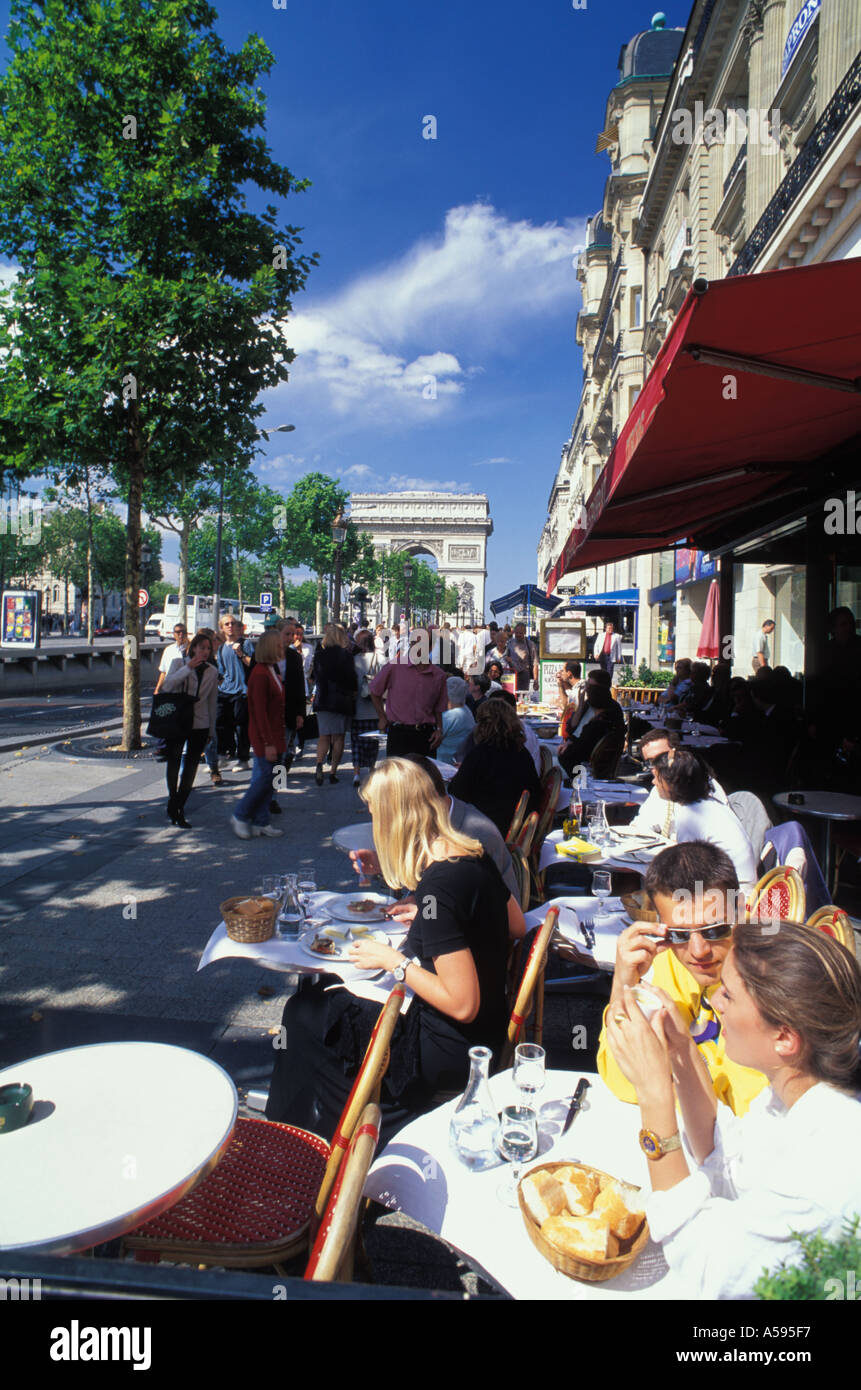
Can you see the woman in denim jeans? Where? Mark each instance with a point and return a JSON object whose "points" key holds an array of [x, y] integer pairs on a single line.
{"points": [[267, 734]]}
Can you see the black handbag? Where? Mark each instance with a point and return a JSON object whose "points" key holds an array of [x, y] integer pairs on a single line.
{"points": [[172, 715]]}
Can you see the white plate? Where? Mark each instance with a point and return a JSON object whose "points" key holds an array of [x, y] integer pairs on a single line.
{"points": [[338, 907], [340, 955]]}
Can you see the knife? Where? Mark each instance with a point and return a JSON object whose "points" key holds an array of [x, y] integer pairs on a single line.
{"points": [[576, 1104]]}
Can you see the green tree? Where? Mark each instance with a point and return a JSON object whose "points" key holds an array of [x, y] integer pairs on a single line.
{"points": [[305, 518], [148, 312]]}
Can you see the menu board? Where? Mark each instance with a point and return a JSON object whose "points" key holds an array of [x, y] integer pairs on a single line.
{"points": [[21, 609], [563, 639]]}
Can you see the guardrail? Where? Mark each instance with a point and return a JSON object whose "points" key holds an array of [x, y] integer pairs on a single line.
{"points": [[65, 667]]}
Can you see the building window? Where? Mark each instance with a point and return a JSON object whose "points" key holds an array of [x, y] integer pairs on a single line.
{"points": [[636, 307], [633, 393]]}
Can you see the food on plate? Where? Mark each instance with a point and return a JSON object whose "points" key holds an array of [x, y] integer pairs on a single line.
{"points": [[620, 1206], [323, 946], [363, 906], [543, 1196], [360, 929], [586, 1236], [580, 1186]]}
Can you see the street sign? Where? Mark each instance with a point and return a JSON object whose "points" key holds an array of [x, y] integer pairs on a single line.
{"points": [[143, 598], [265, 600]]}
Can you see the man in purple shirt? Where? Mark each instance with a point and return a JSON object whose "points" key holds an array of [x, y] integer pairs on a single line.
{"points": [[416, 695]]}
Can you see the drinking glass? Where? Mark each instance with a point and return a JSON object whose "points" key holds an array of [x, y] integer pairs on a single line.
{"points": [[270, 885], [529, 1064], [517, 1141], [601, 885], [307, 886]]}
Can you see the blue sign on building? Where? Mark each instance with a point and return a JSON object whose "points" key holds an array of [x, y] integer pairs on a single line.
{"points": [[265, 600], [797, 30]]}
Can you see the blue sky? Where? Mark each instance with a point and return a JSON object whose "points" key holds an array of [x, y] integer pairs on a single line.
{"points": [[450, 258]]}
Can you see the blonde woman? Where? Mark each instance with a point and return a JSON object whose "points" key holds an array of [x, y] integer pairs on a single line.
{"points": [[334, 676], [454, 958]]}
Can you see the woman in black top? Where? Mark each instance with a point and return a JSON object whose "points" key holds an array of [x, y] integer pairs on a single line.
{"points": [[498, 769], [454, 959], [334, 676]]}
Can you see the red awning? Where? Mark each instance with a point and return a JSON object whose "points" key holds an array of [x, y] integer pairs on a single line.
{"points": [[758, 377]]}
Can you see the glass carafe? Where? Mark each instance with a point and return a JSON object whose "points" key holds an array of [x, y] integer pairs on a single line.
{"points": [[472, 1132], [290, 914]]}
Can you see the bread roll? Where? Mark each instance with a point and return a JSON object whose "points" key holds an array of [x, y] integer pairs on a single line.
{"points": [[543, 1196], [580, 1187], [617, 1205], [585, 1236]]}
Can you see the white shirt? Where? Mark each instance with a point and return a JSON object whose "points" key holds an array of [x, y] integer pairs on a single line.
{"points": [[653, 812], [615, 646], [307, 654], [710, 820], [772, 1171], [532, 746], [171, 653]]}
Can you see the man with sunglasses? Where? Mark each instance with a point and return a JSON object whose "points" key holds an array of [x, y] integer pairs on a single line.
{"points": [[695, 892], [652, 813]]}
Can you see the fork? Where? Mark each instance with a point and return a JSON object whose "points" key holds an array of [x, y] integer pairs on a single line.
{"points": [[587, 928]]}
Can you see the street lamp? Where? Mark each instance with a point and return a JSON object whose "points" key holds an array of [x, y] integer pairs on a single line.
{"points": [[339, 535], [408, 574], [360, 596]]}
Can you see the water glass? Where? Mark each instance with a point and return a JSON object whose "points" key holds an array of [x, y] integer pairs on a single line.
{"points": [[517, 1141], [270, 885], [601, 886], [529, 1067], [307, 886]]}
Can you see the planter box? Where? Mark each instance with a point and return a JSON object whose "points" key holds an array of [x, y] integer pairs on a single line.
{"points": [[642, 694]]}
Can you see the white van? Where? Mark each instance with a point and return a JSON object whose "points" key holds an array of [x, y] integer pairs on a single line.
{"points": [[198, 613], [254, 617]]}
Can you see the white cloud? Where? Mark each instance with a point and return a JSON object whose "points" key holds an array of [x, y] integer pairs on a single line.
{"points": [[401, 343], [484, 463]]}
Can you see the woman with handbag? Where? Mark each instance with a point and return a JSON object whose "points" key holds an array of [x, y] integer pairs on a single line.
{"points": [[268, 735], [194, 682], [335, 678], [365, 718]]}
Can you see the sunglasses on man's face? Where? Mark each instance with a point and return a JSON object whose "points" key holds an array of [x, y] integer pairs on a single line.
{"points": [[677, 936]]}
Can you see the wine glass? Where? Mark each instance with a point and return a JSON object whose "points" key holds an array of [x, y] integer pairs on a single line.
{"points": [[601, 885], [307, 886], [528, 1074], [517, 1141]]}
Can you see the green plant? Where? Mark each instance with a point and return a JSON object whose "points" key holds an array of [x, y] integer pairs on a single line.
{"points": [[829, 1269], [643, 676]]}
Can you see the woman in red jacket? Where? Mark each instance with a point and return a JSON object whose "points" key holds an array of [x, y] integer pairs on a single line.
{"points": [[267, 734]]}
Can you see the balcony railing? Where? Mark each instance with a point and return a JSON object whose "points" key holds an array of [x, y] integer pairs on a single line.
{"points": [[617, 351], [830, 124], [735, 168], [611, 280]]}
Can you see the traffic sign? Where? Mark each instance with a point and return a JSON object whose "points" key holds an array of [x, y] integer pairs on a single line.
{"points": [[265, 600], [143, 598]]}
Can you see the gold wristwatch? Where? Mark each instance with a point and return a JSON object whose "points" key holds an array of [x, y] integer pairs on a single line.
{"points": [[654, 1147]]}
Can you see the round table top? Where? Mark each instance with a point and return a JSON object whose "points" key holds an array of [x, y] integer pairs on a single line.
{"points": [[829, 805], [359, 836], [119, 1132]]}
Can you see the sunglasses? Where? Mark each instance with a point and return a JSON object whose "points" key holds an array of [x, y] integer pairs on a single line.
{"points": [[680, 937]]}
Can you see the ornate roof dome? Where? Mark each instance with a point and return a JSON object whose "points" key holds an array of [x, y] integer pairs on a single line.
{"points": [[598, 233], [652, 53]]}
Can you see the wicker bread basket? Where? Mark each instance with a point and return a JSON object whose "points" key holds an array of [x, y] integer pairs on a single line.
{"points": [[590, 1271], [249, 919], [638, 907]]}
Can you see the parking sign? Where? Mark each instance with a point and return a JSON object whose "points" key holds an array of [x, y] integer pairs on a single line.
{"points": [[265, 600]]}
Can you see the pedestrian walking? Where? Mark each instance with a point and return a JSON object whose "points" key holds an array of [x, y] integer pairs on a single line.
{"points": [[234, 659], [365, 719], [268, 737], [334, 676], [191, 675]]}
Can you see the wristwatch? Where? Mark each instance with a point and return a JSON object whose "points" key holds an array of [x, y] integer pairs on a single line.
{"points": [[654, 1147], [400, 970]]}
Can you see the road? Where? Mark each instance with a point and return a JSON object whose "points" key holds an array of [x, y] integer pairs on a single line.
{"points": [[43, 717]]}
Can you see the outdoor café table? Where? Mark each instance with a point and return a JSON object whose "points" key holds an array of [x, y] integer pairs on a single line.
{"points": [[572, 911], [632, 861], [827, 806], [290, 956], [119, 1132], [419, 1174]]}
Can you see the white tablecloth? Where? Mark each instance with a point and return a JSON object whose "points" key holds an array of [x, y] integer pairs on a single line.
{"points": [[276, 954], [571, 911], [419, 1174], [615, 859]]}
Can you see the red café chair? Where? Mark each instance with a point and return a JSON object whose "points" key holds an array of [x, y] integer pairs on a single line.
{"points": [[261, 1203], [530, 992], [835, 922], [778, 896], [525, 840], [517, 819], [334, 1252]]}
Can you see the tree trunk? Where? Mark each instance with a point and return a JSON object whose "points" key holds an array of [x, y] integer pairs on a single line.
{"points": [[90, 623], [318, 612], [238, 578], [131, 646], [183, 572], [66, 605], [282, 603]]}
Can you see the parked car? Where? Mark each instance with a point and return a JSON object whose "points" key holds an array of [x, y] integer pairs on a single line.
{"points": [[110, 630], [154, 625]]}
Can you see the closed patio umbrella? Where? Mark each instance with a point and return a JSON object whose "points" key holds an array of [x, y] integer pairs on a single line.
{"points": [[709, 644]]}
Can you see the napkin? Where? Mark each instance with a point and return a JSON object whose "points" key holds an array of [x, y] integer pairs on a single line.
{"points": [[578, 849]]}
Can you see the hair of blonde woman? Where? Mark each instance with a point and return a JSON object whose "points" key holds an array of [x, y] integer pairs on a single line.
{"points": [[497, 723], [410, 819], [334, 635], [195, 642], [269, 647]]}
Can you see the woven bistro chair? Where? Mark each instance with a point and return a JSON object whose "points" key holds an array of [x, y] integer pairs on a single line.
{"points": [[334, 1252], [778, 896], [517, 819], [834, 921], [606, 754], [526, 838], [262, 1202], [531, 991], [546, 758], [523, 877]]}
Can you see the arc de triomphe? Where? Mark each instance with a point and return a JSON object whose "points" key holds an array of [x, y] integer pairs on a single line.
{"points": [[452, 527]]}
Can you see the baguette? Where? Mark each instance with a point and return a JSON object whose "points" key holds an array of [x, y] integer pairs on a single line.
{"points": [[543, 1196], [585, 1236], [618, 1206]]}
